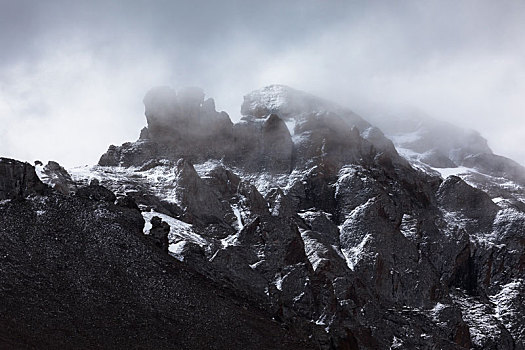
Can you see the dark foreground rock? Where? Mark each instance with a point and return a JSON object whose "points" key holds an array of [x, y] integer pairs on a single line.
{"points": [[18, 179]]}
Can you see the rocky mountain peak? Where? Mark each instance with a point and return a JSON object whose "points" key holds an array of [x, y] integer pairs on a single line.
{"points": [[184, 124], [278, 98], [291, 104], [309, 211], [183, 117]]}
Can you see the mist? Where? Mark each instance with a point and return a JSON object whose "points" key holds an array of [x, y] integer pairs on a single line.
{"points": [[73, 75]]}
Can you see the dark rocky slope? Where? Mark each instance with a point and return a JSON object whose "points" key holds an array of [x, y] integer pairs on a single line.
{"points": [[77, 272]]}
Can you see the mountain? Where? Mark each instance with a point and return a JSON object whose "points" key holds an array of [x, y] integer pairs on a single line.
{"points": [[445, 149], [78, 272], [301, 226]]}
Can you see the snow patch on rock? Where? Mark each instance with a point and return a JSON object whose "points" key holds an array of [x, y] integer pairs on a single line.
{"points": [[180, 231]]}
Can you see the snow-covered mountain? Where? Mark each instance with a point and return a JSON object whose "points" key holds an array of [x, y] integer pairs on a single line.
{"points": [[444, 149], [350, 237]]}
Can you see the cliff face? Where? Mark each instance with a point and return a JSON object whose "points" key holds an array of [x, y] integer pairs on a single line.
{"points": [[18, 180], [310, 216]]}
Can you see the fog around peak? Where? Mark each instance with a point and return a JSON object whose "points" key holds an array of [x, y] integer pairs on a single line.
{"points": [[73, 75]]}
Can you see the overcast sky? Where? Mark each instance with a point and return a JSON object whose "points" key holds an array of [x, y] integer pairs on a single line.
{"points": [[73, 73]]}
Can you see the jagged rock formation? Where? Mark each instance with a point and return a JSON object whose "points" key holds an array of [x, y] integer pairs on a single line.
{"points": [[159, 233], [56, 176], [77, 272], [308, 211], [184, 125]]}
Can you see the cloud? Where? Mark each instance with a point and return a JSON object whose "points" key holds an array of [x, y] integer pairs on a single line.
{"points": [[74, 73], [69, 105]]}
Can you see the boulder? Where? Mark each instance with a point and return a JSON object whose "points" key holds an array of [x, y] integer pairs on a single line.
{"points": [[96, 192]]}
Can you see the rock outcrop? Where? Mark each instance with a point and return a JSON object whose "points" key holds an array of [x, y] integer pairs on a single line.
{"points": [[54, 175], [18, 180]]}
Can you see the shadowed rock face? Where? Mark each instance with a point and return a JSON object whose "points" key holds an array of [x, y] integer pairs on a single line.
{"points": [[304, 213], [18, 180], [455, 195], [262, 144], [201, 204], [186, 122], [159, 233]]}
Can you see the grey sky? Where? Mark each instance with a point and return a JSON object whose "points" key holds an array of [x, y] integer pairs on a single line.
{"points": [[73, 74]]}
